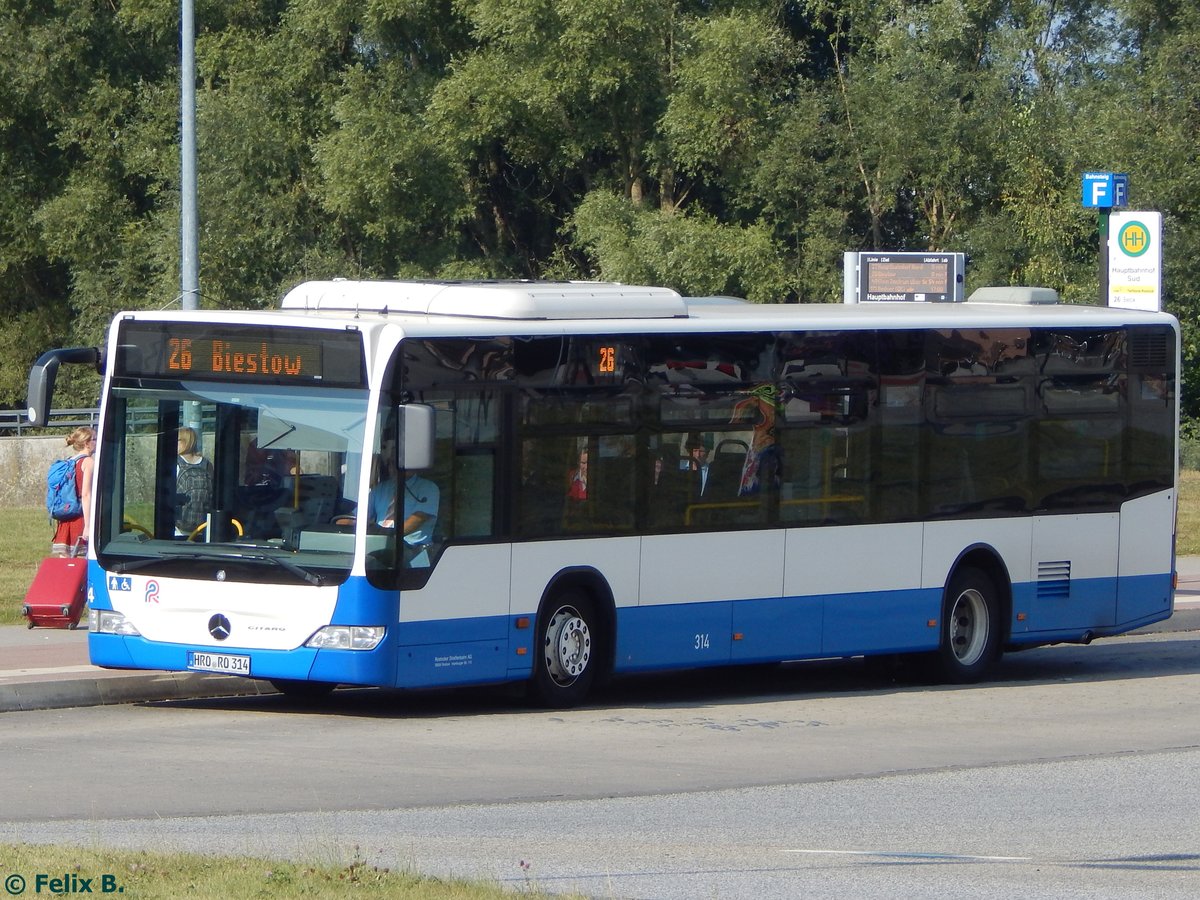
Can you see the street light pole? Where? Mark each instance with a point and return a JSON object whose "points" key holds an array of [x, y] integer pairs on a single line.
{"points": [[189, 275], [189, 220]]}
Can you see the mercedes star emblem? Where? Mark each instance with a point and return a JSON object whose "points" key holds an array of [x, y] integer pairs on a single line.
{"points": [[219, 627]]}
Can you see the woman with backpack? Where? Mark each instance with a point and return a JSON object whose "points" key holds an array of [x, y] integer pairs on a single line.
{"points": [[70, 533]]}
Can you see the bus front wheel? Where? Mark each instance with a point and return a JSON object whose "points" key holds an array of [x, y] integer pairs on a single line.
{"points": [[566, 661], [970, 638]]}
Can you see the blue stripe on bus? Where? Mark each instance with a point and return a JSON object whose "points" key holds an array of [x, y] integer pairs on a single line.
{"points": [[1142, 599], [454, 663], [493, 649], [461, 651], [1052, 606], [1099, 606], [703, 634], [373, 667]]}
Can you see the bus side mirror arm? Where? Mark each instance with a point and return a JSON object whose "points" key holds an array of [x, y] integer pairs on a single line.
{"points": [[41, 378], [414, 450]]}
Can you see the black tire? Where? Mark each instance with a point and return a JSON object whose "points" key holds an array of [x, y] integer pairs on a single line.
{"points": [[971, 628], [566, 662], [303, 690]]}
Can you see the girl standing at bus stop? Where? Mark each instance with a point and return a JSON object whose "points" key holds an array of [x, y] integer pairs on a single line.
{"points": [[70, 533]]}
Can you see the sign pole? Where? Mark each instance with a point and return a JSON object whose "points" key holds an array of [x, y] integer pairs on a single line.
{"points": [[1102, 191], [1104, 215]]}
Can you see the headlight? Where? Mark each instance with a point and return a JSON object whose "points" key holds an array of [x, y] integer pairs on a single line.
{"points": [[347, 637], [106, 621]]}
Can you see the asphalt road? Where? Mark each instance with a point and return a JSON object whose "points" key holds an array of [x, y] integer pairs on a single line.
{"points": [[1074, 774]]}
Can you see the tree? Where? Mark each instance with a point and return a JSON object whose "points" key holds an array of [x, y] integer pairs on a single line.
{"points": [[719, 146], [74, 87]]}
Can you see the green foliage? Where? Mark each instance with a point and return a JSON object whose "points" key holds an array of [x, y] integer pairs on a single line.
{"points": [[1187, 526], [737, 146], [732, 73], [694, 254]]}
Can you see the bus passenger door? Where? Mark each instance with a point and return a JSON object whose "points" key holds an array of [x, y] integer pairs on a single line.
{"points": [[454, 623]]}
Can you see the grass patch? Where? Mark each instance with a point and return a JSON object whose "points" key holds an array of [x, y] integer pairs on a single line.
{"points": [[1187, 524], [24, 542], [137, 875]]}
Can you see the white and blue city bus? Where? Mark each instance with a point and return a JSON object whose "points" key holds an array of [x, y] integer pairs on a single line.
{"points": [[613, 479]]}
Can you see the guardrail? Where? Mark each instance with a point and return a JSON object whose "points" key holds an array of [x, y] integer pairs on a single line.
{"points": [[15, 422]]}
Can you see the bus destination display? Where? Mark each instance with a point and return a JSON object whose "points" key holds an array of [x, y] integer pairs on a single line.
{"points": [[253, 353]]}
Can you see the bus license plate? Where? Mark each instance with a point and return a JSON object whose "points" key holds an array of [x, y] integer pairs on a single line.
{"points": [[219, 662]]}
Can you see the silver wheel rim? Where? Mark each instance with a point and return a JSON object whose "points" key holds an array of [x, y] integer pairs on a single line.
{"points": [[568, 646], [969, 627]]}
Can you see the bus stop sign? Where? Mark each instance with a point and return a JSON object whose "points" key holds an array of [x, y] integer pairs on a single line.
{"points": [[1135, 260]]}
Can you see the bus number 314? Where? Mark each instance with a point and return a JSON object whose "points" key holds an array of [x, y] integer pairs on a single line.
{"points": [[702, 642]]}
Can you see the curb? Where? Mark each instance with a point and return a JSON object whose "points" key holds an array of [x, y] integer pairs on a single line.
{"points": [[125, 689]]}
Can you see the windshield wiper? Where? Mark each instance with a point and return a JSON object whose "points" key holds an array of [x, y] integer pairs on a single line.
{"points": [[135, 564], [286, 564]]}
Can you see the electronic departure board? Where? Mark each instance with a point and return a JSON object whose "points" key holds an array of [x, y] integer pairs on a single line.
{"points": [[913, 277], [258, 353]]}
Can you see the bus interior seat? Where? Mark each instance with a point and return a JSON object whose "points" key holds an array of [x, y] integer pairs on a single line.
{"points": [[668, 491], [611, 482], [725, 469], [315, 500]]}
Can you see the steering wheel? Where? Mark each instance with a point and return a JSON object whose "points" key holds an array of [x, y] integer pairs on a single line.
{"points": [[129, 524], [199, 528]]}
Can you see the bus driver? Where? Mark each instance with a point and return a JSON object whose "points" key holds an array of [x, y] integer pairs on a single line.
{"points": [[421, 500]]}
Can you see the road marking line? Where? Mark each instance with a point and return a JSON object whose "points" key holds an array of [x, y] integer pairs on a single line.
{"points": [[896, 854]]}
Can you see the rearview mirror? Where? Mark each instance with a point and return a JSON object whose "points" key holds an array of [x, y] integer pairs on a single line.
{"points": [[414, 450], [42, 375]]}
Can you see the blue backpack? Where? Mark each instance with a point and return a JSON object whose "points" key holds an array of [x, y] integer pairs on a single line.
{"points": [[62, 499]]}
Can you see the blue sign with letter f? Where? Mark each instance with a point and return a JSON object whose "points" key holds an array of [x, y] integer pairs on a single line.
{"points": [[1104, 190]]}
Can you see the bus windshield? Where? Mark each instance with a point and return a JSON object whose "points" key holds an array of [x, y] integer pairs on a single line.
{"points": [[253, 477]]}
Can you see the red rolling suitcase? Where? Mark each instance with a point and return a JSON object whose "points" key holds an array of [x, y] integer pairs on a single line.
{"points": [[59, 590]]}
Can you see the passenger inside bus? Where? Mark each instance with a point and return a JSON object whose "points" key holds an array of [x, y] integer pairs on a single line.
{"points": [[193, 484], [697, 464], [577, 478]]}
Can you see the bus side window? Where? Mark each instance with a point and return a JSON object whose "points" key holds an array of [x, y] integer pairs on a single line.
{"points": [[614, 476], [474, 486], [546, 464], [667, 488], [465, 467]]}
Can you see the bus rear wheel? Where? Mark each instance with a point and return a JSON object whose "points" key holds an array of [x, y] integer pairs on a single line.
{"points": [[566, 661], [970, 639]]}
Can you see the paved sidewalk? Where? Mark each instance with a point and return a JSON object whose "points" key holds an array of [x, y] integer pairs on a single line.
{"points": [[1188, 570], [48, 668]]}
